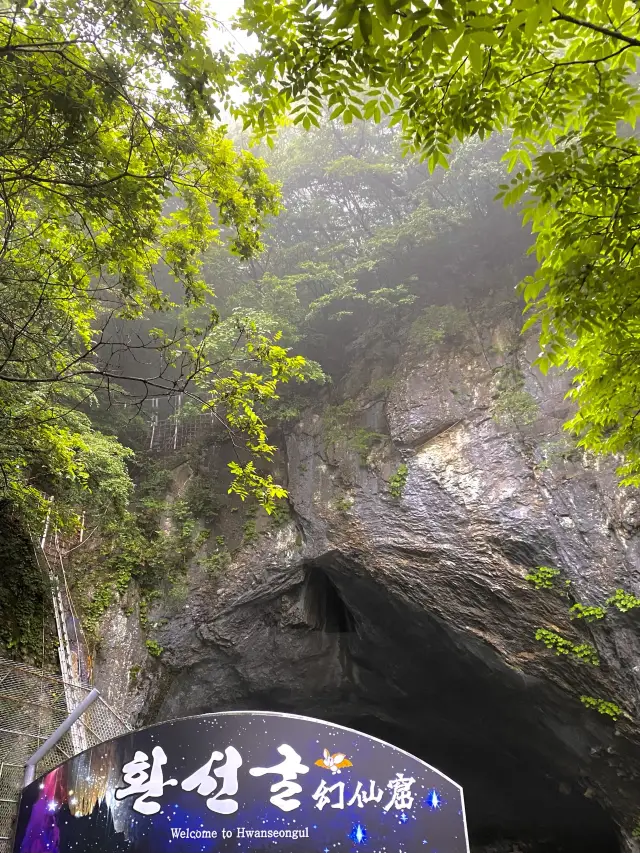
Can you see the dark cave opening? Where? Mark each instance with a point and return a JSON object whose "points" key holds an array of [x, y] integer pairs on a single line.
{"points": [[419, 686], [344, 647], [325, 609]]}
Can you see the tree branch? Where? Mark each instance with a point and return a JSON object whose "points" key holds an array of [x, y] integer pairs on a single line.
{"points": [[614, 34]]}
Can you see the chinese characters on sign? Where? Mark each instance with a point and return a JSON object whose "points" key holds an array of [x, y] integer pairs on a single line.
{"points": [[149, 785]]}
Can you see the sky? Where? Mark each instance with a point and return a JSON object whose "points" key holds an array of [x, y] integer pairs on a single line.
{"points": [[224, 11], [233, 40]]}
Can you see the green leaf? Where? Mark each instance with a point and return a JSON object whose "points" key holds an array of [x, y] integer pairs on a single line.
{"points": [[475, 55], [384, 9], [366, 23], [345, 14]]}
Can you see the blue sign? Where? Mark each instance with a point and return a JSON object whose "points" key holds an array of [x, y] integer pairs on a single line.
{"points": [[245, 782]]}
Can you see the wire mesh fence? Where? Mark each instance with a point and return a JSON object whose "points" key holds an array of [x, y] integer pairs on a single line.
{"points": [[33, 703], [173, 434]]}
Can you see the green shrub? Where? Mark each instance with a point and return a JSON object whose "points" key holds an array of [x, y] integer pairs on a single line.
{"points": [[363, 440], [249, 530], [338, 427], [437, 323], [344, 504], [623, 601], [511, 403], [280, 513], [154, 648], [543, 577], [381, 386], [554, 451], [398, 481], [202, 499], [217, 562], [515, 406]]}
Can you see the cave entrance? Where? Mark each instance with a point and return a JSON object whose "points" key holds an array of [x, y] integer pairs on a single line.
{"points": [[325, 609], [438, 694]]}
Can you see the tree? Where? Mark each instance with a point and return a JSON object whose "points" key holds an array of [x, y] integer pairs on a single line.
{"points": [[363, 236], [114, 178], [560, 76]]}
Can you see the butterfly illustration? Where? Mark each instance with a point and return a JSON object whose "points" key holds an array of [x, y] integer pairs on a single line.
{"points": [[334, 762]]}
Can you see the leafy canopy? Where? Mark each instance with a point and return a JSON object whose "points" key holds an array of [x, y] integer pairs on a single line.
{"points": [[560, 76], [114, 178], [362, 239]]}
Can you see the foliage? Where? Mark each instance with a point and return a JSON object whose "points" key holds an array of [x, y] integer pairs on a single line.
{"points": [[217, 562], [249, 530], [543, 577], [336, 419], [101, 600], [284, 411], [25, 631], [281, 513], [436, 324], [623, 601], [516, 406], [363, 441], [381, 387], [344, 504], [154, 649], [238, 395], [552, 451], [348, 251], [560, 76], [338, 426], [152, 543], [561, 646], [513, 405], [203, 499], [602, 706], [113, 183], [248, 481], [398, 481], [586, 612], [48, 449]]}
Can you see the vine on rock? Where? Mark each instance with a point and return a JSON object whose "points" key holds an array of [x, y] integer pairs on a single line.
{"points": [[546, 577], [561, 646], [602, 706]]}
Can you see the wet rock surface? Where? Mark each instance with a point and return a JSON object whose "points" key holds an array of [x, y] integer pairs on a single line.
{"points": [[410, 618]]}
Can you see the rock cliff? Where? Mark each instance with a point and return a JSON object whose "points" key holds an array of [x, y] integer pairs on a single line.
{"points": [[393, 599]]}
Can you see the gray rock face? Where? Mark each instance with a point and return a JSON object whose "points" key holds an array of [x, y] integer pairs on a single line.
{"points": [[411, 618]]}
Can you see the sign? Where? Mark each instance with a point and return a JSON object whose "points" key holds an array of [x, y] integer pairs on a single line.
{"points": [[244, 782]]}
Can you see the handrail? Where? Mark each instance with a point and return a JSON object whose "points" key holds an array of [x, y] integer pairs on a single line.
{"points": [[60, 732]]}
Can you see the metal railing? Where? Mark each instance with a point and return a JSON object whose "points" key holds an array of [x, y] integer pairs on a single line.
{"points": [[172, 434], [33, 704]]}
